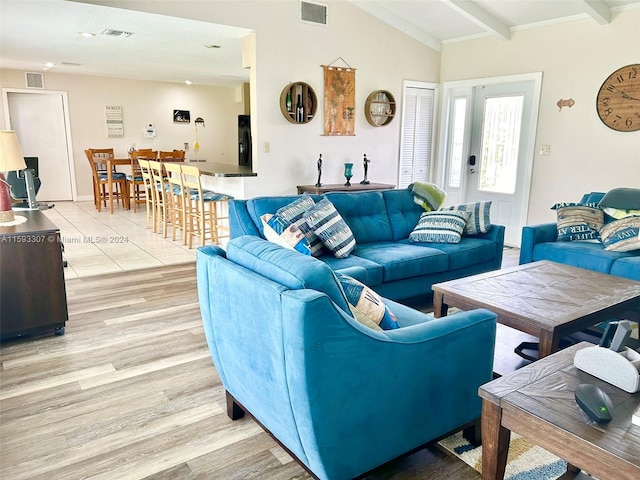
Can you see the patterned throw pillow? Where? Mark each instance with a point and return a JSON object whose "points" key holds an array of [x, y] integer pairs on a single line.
{"points": [[366, 305], [479, 216], [621, 235], [286, 234], [442, 226], [428, 195], [331, 229], [578, 222], [294, 213]]}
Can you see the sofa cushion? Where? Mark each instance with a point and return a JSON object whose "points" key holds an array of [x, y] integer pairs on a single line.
{"points": [[428, 195], [330, 227], [627, 267], [622, 198], [366, 305], [621, 235], [365, 213], [470, 251], [374, 272], [591, 256], [286, 234], [286, 267], [479, 216], [402, 211], [443, 226], [578, 222], [402, 259]]}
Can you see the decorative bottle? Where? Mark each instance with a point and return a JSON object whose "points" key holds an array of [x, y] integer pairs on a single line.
{"points": [[299, 110], [288, 101]]}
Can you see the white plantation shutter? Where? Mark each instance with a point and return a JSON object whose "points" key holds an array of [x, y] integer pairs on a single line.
{"points": [[417, 135]]}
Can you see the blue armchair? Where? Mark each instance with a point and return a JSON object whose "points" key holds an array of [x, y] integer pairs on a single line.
{"points": [[339, 396]]}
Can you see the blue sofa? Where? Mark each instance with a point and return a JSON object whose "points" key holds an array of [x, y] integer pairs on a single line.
{"points": [[339, 396], [539, 242], [381, 223]]}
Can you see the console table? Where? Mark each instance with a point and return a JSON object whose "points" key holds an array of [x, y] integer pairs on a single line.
{"points": [[32, 290], [340, 187]]}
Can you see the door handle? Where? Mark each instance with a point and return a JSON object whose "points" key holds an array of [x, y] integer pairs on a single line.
{"points": [[472, 160]]}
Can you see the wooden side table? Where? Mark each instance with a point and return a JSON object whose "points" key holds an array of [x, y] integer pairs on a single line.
{"points": [[32, 288], [339, 187]]}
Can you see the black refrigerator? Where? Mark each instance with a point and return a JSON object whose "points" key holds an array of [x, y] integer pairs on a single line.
{"points": [[244, 141]]}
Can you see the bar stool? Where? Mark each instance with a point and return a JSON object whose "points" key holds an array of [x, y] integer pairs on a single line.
{"points": [[149, 197], [201, 207], [136, 180], [176, 199], [160, 197]]}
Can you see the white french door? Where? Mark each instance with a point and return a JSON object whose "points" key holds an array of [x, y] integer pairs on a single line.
{"points": [[488, 147]]}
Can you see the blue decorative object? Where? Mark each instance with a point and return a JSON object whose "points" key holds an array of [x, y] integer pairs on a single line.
{"points": [[348, 173]]}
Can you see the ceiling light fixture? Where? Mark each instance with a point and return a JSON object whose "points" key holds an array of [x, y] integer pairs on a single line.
{"points": [[87, 34], [49, 64], [188, 82]]}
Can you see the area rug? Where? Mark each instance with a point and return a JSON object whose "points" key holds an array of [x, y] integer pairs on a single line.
{"points": [[526, 461]]}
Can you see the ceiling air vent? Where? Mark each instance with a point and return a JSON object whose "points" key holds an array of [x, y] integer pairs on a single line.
{"points": [[110, 32], [34, 79], [314, 12]]}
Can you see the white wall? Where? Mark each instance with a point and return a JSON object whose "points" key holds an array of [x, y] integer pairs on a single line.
{"points": [[575, 58], [288, 50], [142, 103]]}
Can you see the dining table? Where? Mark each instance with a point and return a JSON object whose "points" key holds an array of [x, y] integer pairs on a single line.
{"points": [[111, 163]]}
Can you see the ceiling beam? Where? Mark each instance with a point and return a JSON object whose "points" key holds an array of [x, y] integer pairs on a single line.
{"points": [[381, 13], [598, 10], [480, 17]]}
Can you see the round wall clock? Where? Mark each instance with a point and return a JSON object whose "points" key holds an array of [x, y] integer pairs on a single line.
{"points": [[618, 100]]}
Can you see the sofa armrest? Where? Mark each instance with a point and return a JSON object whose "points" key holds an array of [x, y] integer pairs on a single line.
{"points": [[496, 235], [240, 222], [533, 235]]}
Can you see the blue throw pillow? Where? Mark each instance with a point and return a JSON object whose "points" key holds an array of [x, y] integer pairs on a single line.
{"points": [[366, 305], [621, 235], [442, 226], [479, 216], [331, 229], [278, 230], [294, 213], [578, 221]]}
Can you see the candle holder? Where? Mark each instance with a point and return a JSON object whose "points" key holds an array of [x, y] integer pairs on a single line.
{"points": [[348, 173]]}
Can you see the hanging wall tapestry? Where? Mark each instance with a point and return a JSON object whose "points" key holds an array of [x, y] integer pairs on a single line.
{"points": [[339, 99]]}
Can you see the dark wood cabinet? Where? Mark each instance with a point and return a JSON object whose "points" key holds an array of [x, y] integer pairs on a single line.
{"points": [[32, 289]]}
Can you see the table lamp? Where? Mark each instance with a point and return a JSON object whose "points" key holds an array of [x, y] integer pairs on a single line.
{"points": [[10, 159]]}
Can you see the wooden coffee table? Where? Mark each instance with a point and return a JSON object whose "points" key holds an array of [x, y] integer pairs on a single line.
{"points": [[545, 299], [537, 402]]}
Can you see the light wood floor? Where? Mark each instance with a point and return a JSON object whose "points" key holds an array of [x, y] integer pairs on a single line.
{"points": [[130, 392]]}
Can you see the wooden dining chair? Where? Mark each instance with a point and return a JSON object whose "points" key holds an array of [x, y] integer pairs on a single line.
{"points": [[171, 156], [203, 215], [138, 190], [176, 199], [97, 161], [161, 205]]}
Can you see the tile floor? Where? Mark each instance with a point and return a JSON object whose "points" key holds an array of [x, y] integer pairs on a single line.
{"points": [[100, 242]]}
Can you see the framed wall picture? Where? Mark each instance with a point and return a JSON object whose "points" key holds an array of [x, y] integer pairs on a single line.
{"points": [[339, 100], [181, 116]]}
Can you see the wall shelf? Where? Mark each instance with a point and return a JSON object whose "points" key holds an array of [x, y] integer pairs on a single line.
{"points": [[380, 108], [308, 99]]}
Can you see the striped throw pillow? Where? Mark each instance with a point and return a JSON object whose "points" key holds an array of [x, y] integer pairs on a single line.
{"points": [[441, 226], [621, 235], [479, 216], [331, 229]]}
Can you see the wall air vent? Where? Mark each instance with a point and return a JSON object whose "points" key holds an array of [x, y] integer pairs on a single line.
{"points": [[34, 79], [314, 12], [110, 32]]}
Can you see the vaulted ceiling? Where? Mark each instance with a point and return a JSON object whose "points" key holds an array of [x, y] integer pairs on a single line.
{"points": [[36, 32]]}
